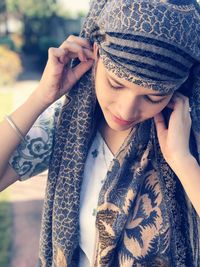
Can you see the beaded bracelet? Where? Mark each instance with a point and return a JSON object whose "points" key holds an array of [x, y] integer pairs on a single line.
{"points": [[14, 126]]}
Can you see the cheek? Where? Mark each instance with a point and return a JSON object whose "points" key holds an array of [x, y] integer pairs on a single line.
{"points": [[104, 99], [104, 96]]}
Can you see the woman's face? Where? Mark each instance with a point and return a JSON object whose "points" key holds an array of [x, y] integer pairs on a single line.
{"points": [[123, 103]]}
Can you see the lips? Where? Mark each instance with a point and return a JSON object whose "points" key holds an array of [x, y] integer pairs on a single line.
{"points": [[121, 121]]}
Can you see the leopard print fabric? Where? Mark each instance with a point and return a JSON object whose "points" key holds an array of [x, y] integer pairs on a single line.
{"points": [[143, 217]]}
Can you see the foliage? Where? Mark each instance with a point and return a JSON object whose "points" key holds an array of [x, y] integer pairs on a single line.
{"points": [[17, 40], [7, 41], [2, 6], [33, 8], [36, 16], [5, 229], [38, 37], [43, 44], [10, 65], [6, 104], [43, 25]]}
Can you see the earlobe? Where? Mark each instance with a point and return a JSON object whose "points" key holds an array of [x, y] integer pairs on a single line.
{"points": [[96, 51]]}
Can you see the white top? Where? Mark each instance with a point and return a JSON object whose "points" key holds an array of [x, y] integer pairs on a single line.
{"points": [[97, 163], [32, 157]]}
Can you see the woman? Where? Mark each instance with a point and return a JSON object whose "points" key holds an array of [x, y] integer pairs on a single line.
{"points": [[107, 170]]}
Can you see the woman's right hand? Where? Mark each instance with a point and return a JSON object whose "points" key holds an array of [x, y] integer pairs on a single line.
{"points": [[58, 76]]}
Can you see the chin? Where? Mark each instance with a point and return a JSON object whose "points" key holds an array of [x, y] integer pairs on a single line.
{"points": [[116, 125], [120, 129]]}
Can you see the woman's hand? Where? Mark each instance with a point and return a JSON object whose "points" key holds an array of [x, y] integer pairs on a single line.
{"points": [[174, 143], [174, 140], [58, 76]]}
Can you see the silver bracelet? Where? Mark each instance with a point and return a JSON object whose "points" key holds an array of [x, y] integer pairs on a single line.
{"points": [[14, 126]]}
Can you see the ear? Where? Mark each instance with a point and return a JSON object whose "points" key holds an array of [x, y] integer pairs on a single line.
{"points": [[96, 51]]}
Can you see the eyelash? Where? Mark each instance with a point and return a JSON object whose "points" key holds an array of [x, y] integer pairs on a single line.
{"points": [[146, 97], [153, 101]]}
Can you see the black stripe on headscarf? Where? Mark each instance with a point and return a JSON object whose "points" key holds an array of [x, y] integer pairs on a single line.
{"points": [[145, 66], [148, 54], [149, 40]]}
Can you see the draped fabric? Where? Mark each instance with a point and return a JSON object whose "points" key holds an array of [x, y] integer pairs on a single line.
{"points": [[144, 217]]}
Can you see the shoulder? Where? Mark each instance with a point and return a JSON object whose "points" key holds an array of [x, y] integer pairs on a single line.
{"points": [[32, 156]]}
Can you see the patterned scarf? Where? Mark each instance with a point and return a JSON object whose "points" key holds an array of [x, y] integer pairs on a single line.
{"points": [[144, 217]]}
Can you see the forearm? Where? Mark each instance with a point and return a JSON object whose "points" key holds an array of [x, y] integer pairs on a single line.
{"points": [[188, 172], [57, 79], [23, 117]]}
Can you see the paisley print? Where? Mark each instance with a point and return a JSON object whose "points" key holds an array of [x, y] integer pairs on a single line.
{"points": [[32, 156], [147, 232]]}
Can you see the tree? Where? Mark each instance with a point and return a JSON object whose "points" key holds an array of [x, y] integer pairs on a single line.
{"points": [[2, 6], [3, 14], [36, 16], [41, 21], [33, 8]]}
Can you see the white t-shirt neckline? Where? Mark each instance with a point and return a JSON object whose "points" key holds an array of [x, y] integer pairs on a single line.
{"points": [[98, 160]]}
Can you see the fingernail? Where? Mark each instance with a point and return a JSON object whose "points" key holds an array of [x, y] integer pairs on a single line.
{"points": [[84, 59]]}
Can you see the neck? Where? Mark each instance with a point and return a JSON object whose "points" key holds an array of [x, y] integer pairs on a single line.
{"points": [[114, 139]]}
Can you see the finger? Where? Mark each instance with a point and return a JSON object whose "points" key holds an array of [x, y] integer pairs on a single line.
{"points": [[181, 115], [73, 75], [79, 40], [171, 103], [87, 55], [178, 102], [74, 50], [182, 103], [56, 55], [160, 122], [160, 127], [83, 67], [179, 96]]}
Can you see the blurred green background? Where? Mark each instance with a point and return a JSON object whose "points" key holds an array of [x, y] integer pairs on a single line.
{"points": [[27, 29]]}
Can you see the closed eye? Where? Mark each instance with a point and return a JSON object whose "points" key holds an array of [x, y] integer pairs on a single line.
{"points": [[147, 98], [116, 86]]}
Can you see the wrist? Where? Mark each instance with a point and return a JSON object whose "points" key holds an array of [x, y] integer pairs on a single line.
{"points": [[39, 101], [183, 163]]}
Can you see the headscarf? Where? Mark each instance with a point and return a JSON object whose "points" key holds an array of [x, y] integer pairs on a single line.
{"points": [[144, 217]]}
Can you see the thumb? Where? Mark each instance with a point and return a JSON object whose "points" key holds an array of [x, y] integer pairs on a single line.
{"points": [[73, 75], [160, 127], [82, 68]]}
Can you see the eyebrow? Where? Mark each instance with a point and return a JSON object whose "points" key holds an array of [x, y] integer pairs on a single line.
{"points": [[122, 85]]}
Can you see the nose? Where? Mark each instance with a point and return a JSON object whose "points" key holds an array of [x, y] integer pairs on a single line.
{"points": [[129, 107]]}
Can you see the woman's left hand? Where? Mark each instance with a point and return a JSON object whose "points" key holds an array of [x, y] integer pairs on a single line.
{"points": [[174, 139]]}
